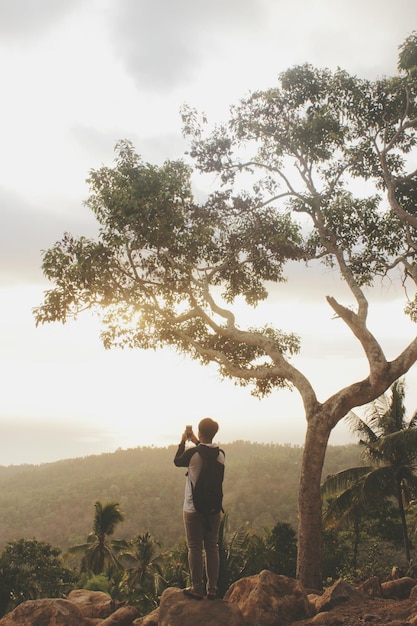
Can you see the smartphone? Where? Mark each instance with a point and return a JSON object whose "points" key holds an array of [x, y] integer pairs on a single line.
{"points": [[189, 431]]}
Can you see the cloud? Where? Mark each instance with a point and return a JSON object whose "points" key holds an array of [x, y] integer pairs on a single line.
{"points": [[163, 43], [26, 230], [338, 31], [20, 22], [155, 148]]}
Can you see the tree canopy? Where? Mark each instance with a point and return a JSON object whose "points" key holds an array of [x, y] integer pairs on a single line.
{"points": [[167, 270]]}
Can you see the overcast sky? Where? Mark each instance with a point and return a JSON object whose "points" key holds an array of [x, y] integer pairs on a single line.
{"points": [[77, 76]]}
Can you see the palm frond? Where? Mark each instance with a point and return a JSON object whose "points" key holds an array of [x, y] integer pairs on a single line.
{"points": [[341, 509], [106, 517], [407, 474], [335, 483], [413, 421], [361, 427], [379, 483], [400, 446], [78, 549], [370, 487]]}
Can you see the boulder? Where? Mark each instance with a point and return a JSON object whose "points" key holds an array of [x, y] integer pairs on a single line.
{"points": [[121, 617], [399, 588], [152, 619], [45, 612], [96, 604], [314, 602], [327, 619], [269, 599], [413, 594], [372, 587], [339, 593], [177, 610]]}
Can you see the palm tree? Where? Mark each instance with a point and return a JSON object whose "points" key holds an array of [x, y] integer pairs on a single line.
{"points": [[390, 445], [142, 561], [99, 552]]}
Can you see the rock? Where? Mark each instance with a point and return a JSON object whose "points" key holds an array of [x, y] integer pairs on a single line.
{"points": [[314, 601], [45, 612], [337, 594], [177, 610], [269, 599], [413, 593], [413, 620], [372, 587], [122, 617], [399, 588], [96, 604], [152, 619], [327, 619]]}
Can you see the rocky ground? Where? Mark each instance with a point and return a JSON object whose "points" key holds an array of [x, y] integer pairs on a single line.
{"points": [[375, 612]]}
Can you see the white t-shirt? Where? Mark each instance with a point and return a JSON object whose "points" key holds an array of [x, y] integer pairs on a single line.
{"points": [[194, 469]]}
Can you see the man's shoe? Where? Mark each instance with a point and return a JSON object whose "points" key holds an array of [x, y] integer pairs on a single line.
{"points": [[212, 595], [190, 593]]}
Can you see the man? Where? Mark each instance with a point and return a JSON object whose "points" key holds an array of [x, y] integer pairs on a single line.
{"points": [[200, 531]]}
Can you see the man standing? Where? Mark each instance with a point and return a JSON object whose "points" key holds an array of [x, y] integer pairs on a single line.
{"points": [[202, 531]]}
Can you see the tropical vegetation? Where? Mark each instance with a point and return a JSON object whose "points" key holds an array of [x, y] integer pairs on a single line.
{"points": [[362, 494], [31, 569], [136, 566], [148, 543], [100, 551]]}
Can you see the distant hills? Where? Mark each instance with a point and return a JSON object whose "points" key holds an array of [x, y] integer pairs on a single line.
{"points": [[54, 502]]}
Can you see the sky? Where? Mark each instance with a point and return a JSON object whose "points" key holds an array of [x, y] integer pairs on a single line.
{"points": [[76, 77]]}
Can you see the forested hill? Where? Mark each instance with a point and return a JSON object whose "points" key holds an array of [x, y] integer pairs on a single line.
{"points": [[54, 502]]}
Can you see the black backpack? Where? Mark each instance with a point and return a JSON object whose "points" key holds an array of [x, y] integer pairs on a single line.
{"points": [[208, 490]]}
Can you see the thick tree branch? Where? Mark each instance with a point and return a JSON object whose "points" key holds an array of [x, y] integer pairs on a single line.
{"points": [[376, 358]]}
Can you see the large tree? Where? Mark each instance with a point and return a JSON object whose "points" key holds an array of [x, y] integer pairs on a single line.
{"points": [[165, 270]]}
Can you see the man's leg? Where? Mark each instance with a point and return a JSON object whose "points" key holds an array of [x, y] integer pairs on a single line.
{"points": [[194, 532], [211, 546]]}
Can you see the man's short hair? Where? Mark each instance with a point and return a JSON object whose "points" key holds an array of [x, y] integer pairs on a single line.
{"points": [[208, 428]]}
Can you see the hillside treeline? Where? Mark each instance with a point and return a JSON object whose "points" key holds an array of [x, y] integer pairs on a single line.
{"points": [[54, 502]]}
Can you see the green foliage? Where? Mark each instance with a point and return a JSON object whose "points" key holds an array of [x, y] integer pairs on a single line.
{"points": [[389, 442], [245, 552], [408, 54], [98, 582], [333, 127], [99, 552], [281, 545], [336, 553], [160, 258], [238, 550], [369, 546], [142, 562], [31, 569]]}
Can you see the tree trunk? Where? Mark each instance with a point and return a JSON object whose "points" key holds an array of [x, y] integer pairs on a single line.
{"points": [[356, 541], [406, 542], [310, 539]]}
